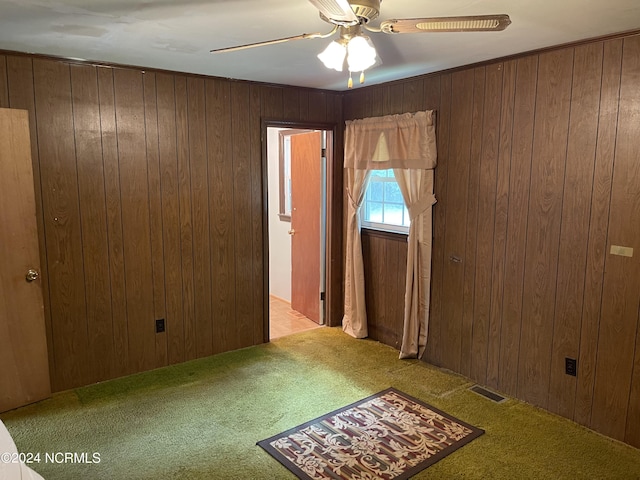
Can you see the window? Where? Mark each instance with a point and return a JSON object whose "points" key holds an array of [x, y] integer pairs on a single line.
{"points": [[383, 207], [285, 177], [284, 209]]}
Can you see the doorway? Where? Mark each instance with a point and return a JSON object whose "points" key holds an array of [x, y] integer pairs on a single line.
{"points": [[24, 377], [297, 160]]}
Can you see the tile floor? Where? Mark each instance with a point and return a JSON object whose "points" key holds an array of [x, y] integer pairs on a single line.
{"points": [[284, 321]]}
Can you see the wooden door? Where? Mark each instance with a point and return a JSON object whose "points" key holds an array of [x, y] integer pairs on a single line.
{"points": [[24, 372], [306, 195]]}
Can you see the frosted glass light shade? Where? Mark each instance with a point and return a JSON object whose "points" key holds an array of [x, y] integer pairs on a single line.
{"points": [[361, 54], [333, 56]]}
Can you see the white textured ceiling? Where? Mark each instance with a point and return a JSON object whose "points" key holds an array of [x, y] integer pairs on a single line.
{"points": [[177, 35]]}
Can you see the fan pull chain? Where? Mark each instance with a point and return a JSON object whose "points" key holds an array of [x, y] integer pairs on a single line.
{"points": [[350, 82]]}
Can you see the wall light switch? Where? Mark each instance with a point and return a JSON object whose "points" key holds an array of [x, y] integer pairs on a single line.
{"points": [[622, 251]]}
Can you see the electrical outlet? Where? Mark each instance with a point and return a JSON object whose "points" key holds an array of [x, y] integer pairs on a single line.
{"points": [[570, 366], [160, 325]]}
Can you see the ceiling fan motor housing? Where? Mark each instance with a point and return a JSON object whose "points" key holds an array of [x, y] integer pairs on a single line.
{"points": [[366, 9]]}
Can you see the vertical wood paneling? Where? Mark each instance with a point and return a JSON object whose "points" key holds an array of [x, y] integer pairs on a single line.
{"points": [[349, 105], [304, 105], [598, 226], [543, 207], [332, 102], [114, 220], [468, 290], [4, 80], [385, 258], [289, 103], [455, 235], [433, 352], [629, 95], [317, 106], [373, 247], [431, 95], [385, 99], [222, 218], [155, 211], [543, 232], [201, 211], [134, 190], [186, 223], [437, 97], [362, 108], [632, 432], [241, 180], [137, 179], [278, 103], [394, 306], [93, 215], [61, 212], [401, 282], [500, 226], [394, 99], [574, 235], [621, 292], [522, 144], [371, 108], [169, 184], [412, 96], [335, 205], [486, 218], [374, 103], [257, 201]]}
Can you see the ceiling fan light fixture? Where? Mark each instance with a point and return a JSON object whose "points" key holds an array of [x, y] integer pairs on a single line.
{"points": [[333, 56], [361, 54]]}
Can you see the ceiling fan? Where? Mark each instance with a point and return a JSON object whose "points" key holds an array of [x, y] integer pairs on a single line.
{"points": [[350, 17]]}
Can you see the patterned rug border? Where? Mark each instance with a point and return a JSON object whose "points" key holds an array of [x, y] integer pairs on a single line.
{"points": [[476, 432]]}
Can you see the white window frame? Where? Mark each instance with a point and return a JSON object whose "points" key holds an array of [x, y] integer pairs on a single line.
{"points": [[385, 227]]}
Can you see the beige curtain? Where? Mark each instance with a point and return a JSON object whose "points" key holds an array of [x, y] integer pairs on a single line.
{"points": [[417, 190], [354, 321], [406, 143], [395, 141]]}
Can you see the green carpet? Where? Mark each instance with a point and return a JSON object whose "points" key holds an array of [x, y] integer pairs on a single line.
{"points": [[201, 419]]}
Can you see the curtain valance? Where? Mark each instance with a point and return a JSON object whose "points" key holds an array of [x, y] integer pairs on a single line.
{"points": [[405, 140]]}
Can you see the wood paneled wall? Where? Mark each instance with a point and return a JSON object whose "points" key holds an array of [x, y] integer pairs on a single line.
{"points": [[150, 205], [538, 176], [385, 260]]}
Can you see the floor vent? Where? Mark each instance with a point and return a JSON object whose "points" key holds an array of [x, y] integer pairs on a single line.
{"points": [[488, 394]]}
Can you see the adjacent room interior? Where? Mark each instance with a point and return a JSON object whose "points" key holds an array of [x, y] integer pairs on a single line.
{"points": [[296, 171], [166, 289]]}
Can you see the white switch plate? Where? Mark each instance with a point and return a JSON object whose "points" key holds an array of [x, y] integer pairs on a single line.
{"points": [[622, 251]]}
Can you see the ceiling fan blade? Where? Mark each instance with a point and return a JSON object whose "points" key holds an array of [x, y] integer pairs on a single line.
{"points": [[338, 10], [474, 23], [270, 42]]}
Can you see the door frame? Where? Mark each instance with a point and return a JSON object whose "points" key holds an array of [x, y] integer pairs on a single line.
{"points": [[334, 219]]}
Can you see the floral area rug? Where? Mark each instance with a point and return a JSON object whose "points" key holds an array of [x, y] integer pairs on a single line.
{"points": [[389, 435]]}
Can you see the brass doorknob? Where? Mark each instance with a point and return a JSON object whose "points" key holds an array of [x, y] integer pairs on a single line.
{"points": [[292, 232], [32, 275]]}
